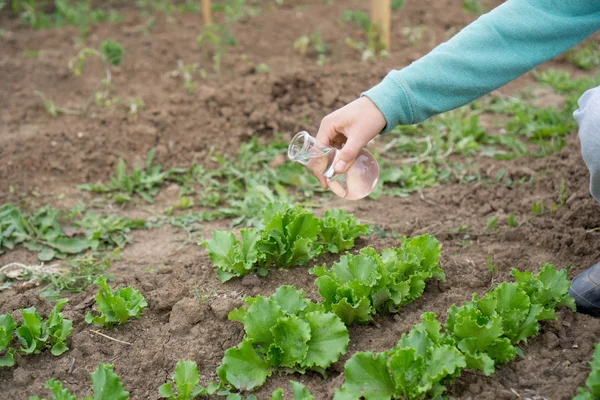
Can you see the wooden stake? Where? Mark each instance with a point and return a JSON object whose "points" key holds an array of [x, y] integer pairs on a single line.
{"points": [[206, 11], [381, 16]]}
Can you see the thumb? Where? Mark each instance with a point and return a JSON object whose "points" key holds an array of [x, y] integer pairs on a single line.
{"points": [[348, 154]]}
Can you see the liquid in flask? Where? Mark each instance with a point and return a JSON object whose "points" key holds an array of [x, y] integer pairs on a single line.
{"points": [[357, 182]]}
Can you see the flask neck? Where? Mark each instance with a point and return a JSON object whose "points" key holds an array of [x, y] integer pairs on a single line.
{"points": [[303, 148]]}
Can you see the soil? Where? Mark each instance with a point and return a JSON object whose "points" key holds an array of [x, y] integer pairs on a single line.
{"points": [[50, 156]]}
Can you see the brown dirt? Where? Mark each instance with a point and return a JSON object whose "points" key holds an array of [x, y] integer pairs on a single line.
{"points": [[51, 156]]}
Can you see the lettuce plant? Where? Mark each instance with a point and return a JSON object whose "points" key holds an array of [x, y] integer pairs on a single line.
{"points": [[359, 286], [117, 307], [105, 386], [283, 331], [35, 334]]}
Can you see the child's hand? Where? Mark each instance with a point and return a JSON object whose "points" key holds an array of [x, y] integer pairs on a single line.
{"points": [[352, 126]]}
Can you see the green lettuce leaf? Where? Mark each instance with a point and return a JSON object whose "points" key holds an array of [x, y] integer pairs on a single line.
{"points": [[284, 330], [359, 286], [32, 333], [186, 380], [328, 339], [300, 392], [367, 377], [339, 230], [291, 334], [59, 328], [106, 384], [7, 327], [243, 368]]}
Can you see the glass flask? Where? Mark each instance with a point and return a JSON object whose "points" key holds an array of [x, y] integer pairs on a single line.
{"points": [[357, 182]]}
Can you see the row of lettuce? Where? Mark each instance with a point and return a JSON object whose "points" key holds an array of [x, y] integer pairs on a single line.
{"points": [[287, 332], [36, 334]]}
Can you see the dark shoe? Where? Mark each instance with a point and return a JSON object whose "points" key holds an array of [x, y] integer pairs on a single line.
{"points": [[585, 289]]}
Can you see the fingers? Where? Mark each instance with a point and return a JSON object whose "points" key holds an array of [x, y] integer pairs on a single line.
{"points": [[322, 180], [327, 132], [348, 153]]}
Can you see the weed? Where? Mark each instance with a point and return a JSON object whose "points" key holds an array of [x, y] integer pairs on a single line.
{"points": [[563, 193], [587, 57], [143, 182], [537, 208], [136, 105], [262, 68], [110, 54], [383, 233], [313, 43], [81, 273], [219, 37], [43, 231], [414, 35], [111, 231], [203, 294], [236, 10], [373, 47], [492, 223], [80, 14], [188, 72], [463, 228], [472, 6], [490, 265], [397, 4], [168, 6], [31, 53]]}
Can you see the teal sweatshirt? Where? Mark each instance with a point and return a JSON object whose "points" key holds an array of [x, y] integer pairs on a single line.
{"points": [[498, 47]]}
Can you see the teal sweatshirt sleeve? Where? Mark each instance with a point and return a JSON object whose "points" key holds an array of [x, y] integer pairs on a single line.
{"points": [[498, 47]]}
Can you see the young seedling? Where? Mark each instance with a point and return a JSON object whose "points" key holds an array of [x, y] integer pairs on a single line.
{"points": [[109, 53], [492, 223], [538, 207], [313, 43], [34, 333], [136, 105], [7, 327], [105, 386], [472, 6], [219, 37], [490, 265], [188, 72], [374, 47], [185, 381], [117, 307]]}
